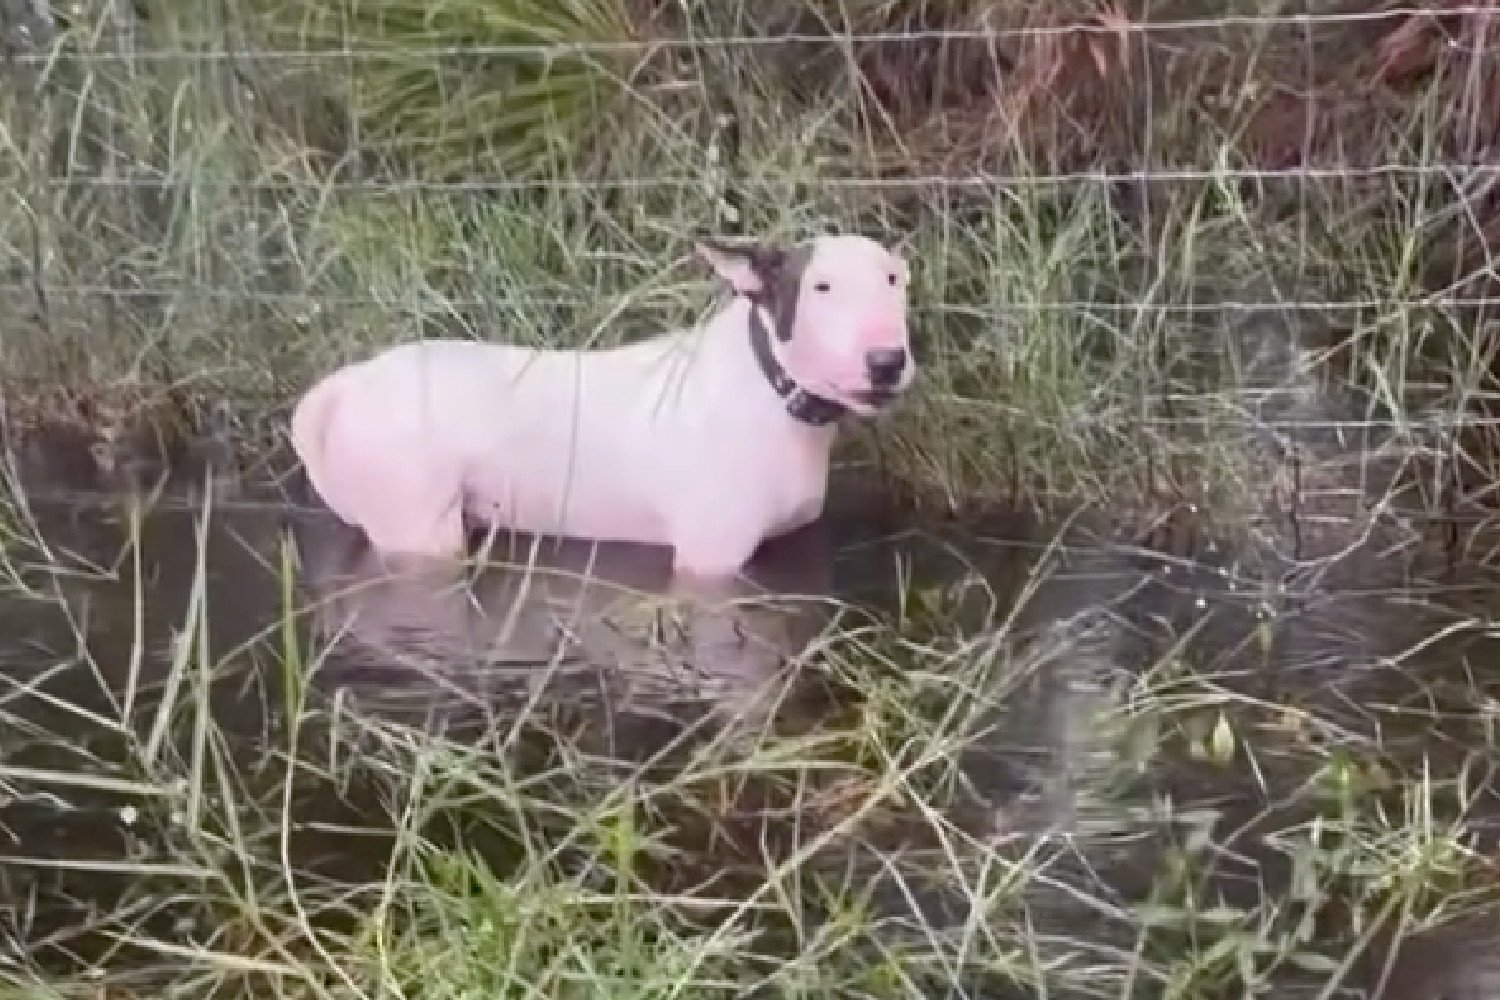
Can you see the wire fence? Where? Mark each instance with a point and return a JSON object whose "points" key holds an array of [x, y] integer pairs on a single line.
{"points": [[1096, 200], [1111, 28], [1454, 171]]}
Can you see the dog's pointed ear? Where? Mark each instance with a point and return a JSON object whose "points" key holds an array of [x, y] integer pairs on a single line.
{"points": [[750, 270]]}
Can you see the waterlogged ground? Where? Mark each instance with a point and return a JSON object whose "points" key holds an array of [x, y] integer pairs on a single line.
{"points": [[1019, 757]]}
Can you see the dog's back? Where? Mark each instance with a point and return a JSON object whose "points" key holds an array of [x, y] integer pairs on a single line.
{"points": [[538, 440]]}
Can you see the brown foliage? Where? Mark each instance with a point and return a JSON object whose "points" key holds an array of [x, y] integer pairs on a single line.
{"points": [[1070, 88]]}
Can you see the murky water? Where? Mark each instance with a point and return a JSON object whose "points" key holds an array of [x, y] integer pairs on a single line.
{"points": [[126, 629]]}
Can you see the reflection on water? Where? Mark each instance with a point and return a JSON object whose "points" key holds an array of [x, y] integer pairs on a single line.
{"points": [[1379, 655], [592, 618], [178, 610]]}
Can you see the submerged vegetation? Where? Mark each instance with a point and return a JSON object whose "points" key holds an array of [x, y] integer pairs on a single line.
{"points": [[1227, 276]]}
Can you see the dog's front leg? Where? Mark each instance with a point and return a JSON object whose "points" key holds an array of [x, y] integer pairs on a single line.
{"points": [[708, 564], [708, 584]]}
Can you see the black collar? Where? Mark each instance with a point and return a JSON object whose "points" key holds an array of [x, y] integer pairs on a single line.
{"points": [[815, 411]]}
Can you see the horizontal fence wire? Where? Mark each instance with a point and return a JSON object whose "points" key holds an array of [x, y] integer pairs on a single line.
{"points": [[398, 186], [1088, 27], [644, 300]]}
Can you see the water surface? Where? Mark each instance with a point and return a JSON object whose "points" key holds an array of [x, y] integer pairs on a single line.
{"points": [[154, 654]]}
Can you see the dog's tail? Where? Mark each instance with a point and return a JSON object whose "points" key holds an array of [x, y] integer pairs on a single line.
{"points": [[309, 433]]}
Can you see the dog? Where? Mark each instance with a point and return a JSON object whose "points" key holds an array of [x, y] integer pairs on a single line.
{"points": [[708, 440]]}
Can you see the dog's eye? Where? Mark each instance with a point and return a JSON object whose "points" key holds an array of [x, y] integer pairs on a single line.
{"points": [[893, 278], [822, 286]]}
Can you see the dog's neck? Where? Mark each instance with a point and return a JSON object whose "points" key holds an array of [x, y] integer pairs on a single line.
{"points": [[801, 405]]}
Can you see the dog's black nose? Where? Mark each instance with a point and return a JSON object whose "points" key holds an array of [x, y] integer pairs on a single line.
{"points": [[885, 367]]}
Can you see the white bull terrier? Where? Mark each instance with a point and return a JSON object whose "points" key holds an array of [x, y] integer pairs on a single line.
{"points": [[707, 444]]}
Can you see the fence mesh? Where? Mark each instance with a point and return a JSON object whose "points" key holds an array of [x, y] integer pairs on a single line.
{"points": [[1140, 241]]}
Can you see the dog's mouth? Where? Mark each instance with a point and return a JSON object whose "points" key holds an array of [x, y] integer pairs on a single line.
{"points": [[866, 401], [875, 399]]}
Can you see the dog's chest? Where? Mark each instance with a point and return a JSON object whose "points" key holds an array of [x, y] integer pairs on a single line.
{"points": [[795, 491], [796, 515]]}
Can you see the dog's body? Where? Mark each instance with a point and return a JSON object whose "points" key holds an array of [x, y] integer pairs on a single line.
{"points": [[682, 440], [619, 445]]}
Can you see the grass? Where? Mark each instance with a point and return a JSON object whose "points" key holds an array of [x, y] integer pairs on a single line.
{"points": [[228, 229], [990, 801], [1271, 336]]}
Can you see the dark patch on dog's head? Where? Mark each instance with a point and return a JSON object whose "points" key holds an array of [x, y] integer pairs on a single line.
{"points": [[784, 288], [779, 272]]}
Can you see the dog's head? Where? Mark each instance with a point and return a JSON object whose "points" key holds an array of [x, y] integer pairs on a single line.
{"points": [[836, 309]]}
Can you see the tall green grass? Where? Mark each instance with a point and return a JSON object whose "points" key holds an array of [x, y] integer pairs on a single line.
{"points": [[237, 224]]}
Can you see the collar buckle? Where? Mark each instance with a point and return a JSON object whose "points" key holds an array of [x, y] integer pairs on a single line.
{"points": [[811, 409]]}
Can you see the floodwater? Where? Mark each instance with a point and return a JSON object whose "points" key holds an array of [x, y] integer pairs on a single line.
{"points": [[125, 627]]}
